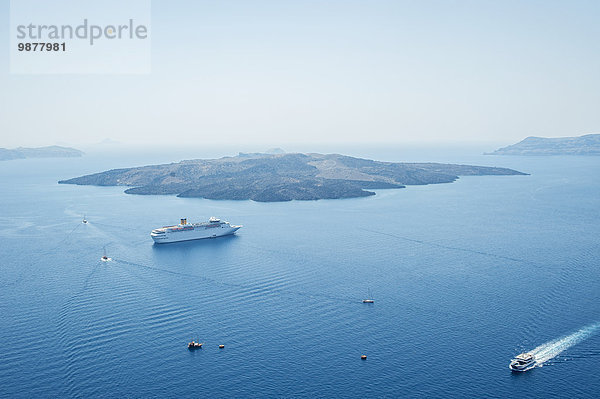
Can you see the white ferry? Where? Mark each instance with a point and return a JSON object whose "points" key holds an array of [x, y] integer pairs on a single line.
{"points": [[522, 362], [185, 231]]}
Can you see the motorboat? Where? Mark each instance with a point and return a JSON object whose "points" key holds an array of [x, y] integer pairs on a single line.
{"points": [[522, 362], [195, 345]]}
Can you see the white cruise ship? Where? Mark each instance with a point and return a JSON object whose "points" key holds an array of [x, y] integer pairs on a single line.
{"points": [[194, 231]]}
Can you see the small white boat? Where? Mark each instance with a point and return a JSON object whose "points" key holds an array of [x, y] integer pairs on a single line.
{"points": [[105, 258], [522, 362], [369, 298], [84, 221]]}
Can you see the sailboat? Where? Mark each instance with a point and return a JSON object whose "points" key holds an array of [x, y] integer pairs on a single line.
{"points": [[369, 298], [105, 258], [84, 221]]}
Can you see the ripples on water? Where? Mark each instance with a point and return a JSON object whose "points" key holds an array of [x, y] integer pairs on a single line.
{"points": [[465, 276], [551, 349]]}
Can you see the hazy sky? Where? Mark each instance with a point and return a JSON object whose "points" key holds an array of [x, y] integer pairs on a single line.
{"points": [[298, 71]]}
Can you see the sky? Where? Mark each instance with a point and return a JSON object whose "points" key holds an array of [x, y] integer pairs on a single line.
{"points": [[340, 71]]}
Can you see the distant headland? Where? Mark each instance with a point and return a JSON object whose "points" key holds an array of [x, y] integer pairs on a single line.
{"points": [[280, 177], [581, 145], [53, 151]]}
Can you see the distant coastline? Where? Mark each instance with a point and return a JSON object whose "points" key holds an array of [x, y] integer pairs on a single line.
{"points": [[54, 151], [588, 144], [280, 177]]}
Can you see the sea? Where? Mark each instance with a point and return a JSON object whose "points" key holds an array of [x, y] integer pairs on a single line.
{"points": [[464, 276]]}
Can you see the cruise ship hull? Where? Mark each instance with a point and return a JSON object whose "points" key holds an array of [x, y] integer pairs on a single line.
{"points": [[197, 233]]}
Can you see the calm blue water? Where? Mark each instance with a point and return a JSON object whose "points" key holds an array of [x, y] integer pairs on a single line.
{"points": [[464, 276]]}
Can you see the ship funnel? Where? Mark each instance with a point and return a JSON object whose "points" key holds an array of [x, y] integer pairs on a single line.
{"points": [[183, 221]]}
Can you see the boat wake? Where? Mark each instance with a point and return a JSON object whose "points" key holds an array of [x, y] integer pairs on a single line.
{"points": [[553, 348]]}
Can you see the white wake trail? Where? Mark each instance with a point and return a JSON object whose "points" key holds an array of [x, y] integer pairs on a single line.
{"points": [[551, 349]]}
